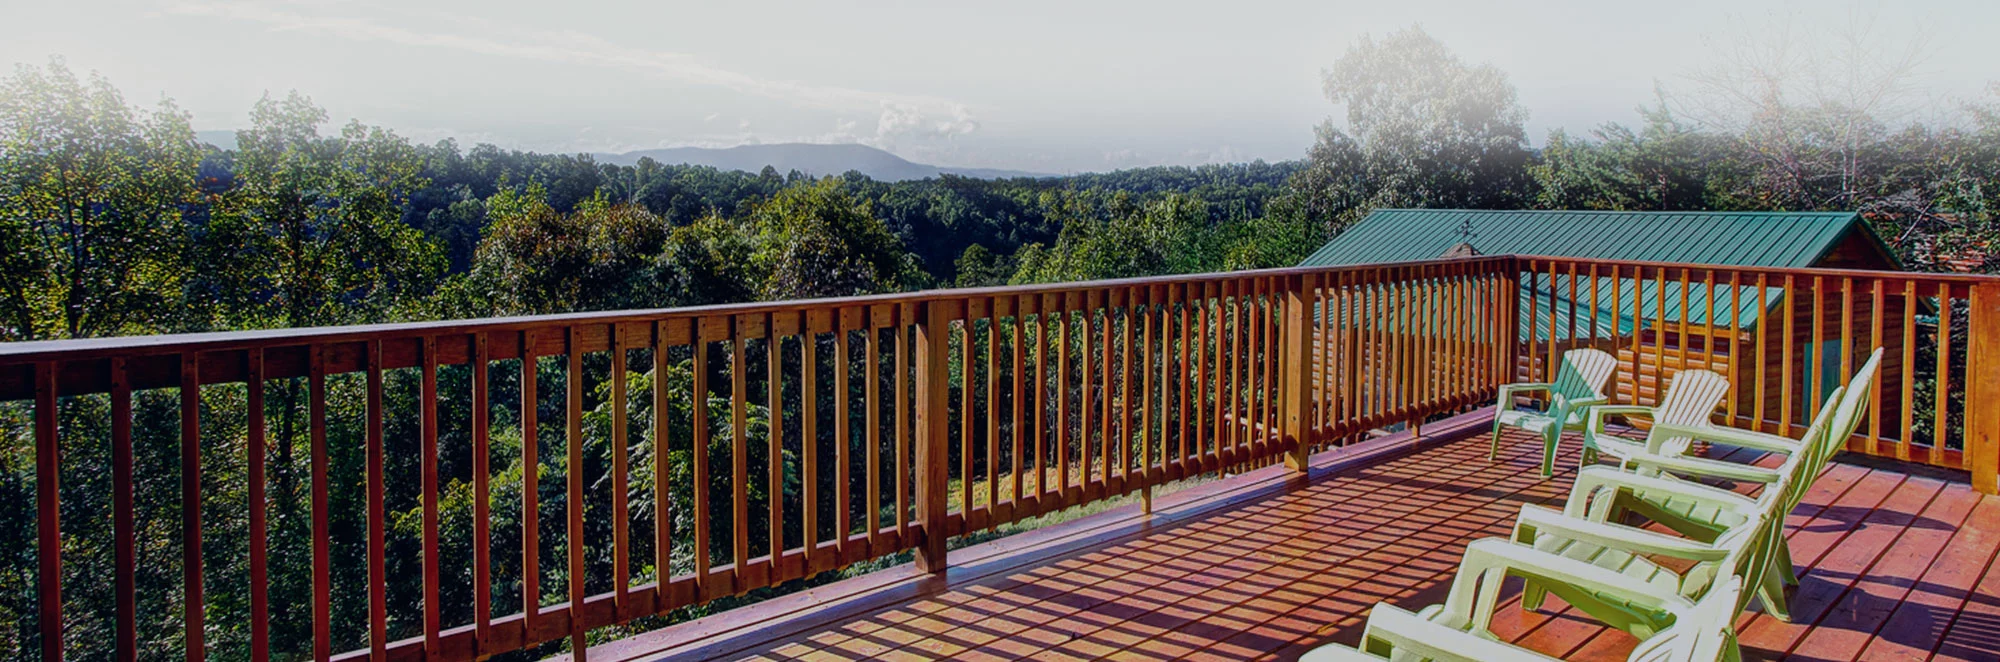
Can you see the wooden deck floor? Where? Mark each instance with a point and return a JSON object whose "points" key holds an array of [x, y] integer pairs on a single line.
{"points": [[1899, 567]]}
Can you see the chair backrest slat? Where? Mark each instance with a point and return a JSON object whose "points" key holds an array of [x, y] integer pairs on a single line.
{"points": [[1585, 373], [1690, 400]]}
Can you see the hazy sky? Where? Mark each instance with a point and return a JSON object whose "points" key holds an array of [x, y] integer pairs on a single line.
{"points": [[1028, 84]]}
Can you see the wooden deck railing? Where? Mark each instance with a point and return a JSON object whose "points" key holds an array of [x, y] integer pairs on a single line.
{"points": [[1786, 337], [709, 452]]}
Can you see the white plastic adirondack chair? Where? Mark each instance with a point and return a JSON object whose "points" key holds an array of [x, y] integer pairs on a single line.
{"points": [[1702, 513], [1805, 459], [1690, 401], [1579, 385], [1700, 631]]}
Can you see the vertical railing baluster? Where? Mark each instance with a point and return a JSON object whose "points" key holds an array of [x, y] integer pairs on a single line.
{"points": [[573, 479], [1941, 387], [122, 520], [531, 469], [193, 605], [1908, 429], [904, 319], [322, 534], [993, 411], [663, 517], [48, 508], [843, 430], [774, 404], [1815, 365], [621, 516], [427, 458], [1086, 395], [968, 361], [1737, 346], [739, 452], [1020, 401], [378, 567], [1062, 338], [872, 405], [1786, 357], [1877, 301], [705, 334], [253, 451], [809, 435], [1183, 303], [482, 489]]}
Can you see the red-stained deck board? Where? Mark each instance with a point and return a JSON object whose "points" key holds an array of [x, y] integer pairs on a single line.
{"points": [[1920, 621], [1850, 621], [1975, 629], [1834, 560], [1891, 564]]}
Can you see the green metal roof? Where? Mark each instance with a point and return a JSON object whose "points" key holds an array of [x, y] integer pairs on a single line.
{"points": [[1765, 239], [1768, 239]]}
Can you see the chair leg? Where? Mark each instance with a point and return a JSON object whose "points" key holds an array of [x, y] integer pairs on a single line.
{"points": [[1493, 454], [1771, 592], [1549, 442], [1783, 559], [1532, 595]]}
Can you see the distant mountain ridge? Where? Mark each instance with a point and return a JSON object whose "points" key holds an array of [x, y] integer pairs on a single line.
{"points": [[810, 158]]}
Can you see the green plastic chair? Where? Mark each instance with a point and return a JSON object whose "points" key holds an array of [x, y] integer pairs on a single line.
{"points": [[1690, 401], [1579, 385], [1701, 630]]}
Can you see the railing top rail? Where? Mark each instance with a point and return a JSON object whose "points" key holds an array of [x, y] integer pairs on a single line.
{"points": [[94, 348], [1935, 277]]}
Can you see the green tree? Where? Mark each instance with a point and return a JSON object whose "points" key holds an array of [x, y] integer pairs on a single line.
{"points": [[535, 259], [817, 240], [1425, 128], [93, 195], [978, 267], [1667, 164], [314, 226]]}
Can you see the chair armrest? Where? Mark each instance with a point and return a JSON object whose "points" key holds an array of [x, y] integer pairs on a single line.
{"points": [[1419, 637], [1591, 479], [1488, 561], [1597, 414], [1508, 391], [1743, 438], [1583, 404], [1699, 466], [1543, 521]]}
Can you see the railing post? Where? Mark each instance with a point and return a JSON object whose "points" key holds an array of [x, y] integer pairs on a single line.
{"points": [[1510, 324], [1295, 392], [1982, 388], [933, 429]]}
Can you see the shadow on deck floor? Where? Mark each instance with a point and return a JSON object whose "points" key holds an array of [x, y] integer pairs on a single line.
{"points": [[1899, 567]]}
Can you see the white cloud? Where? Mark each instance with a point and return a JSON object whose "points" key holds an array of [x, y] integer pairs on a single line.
{"points": [[923, 114]]}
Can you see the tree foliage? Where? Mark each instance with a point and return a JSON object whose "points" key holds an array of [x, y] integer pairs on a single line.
{"points": [[95, 202]]}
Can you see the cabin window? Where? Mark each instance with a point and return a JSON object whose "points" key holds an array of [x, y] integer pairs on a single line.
{"points": [[1822, 363]]}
